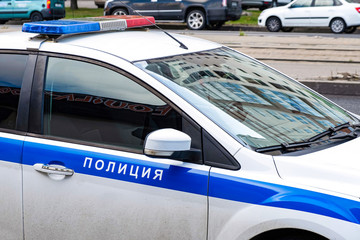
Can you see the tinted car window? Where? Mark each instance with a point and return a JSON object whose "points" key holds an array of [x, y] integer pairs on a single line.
{"points": [[91, 103], [12, 69]]}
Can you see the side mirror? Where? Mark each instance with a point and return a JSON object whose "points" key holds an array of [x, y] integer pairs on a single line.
{"points": [[166, 142]]}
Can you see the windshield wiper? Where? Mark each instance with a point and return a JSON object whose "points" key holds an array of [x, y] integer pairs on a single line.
{"points": [[329, 132], [283, 147]]}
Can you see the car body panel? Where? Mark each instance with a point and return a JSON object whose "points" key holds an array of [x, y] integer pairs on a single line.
{"points": [[157, 39], [122, 190], [339, 163], [169, 10], [6, 9], [296, 16], [10, 176]]}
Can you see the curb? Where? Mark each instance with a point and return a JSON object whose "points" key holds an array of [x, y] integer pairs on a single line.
{"points": [[334, 87]]}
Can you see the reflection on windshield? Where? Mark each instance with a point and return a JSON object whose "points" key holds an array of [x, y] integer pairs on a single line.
{"points": [[265, 107]]}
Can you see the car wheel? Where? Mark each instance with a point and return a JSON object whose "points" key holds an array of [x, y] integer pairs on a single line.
{"points": [[195, 20], [273, 24], [100, 5], [350, 29], [119, 11], [337, 25], [287, 29], [36, 17], [3, 21], [215, 25]]}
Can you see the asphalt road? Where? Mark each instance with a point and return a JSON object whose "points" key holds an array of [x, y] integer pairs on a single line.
{"points": [[351, 103]]}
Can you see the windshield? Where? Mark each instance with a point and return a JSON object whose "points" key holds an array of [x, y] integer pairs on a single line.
{"points": [[257, 105]]}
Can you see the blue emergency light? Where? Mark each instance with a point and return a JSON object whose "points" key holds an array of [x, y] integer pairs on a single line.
{"points": [[84, 25]]}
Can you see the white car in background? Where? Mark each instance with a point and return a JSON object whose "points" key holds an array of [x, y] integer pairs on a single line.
{"points": [[339, 15]]}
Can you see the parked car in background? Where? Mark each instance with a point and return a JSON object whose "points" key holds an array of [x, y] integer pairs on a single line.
{"points": [[35, 10], [262, 4], [197, 15], [339, 15]]}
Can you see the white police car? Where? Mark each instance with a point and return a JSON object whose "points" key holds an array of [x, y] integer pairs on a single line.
{"points": [[142, 135]]}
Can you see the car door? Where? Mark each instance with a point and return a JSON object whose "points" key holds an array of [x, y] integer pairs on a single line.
{"points": [[15, 79], [22, 7], [170, 9], [322, 12], [6, 9], [298, 14], [145, 7], [85, 174]]}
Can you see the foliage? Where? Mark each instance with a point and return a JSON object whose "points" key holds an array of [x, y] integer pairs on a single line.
{"points": [[84, 12], [249, 17]]}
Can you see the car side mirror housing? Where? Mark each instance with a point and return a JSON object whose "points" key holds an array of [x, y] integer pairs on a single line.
{"points": [[166, 142]]}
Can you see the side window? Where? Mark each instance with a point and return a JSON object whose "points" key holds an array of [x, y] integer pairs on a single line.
{"points": [[337, 3], [87, 102], [12, 68], [324, 3], [302, 3]]}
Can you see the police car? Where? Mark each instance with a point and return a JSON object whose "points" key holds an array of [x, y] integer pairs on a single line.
{"points": [[151, 135]]}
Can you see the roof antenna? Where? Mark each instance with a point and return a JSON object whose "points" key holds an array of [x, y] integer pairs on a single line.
{"points": [[154, 24]]}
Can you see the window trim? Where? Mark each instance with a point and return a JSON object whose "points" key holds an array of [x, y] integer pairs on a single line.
{"points": [[21, 124]]}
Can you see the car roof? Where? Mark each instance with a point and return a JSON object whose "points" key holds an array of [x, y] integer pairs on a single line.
{"points": [[129, 45]]}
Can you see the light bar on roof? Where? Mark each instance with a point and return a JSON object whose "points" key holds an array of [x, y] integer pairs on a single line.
{"points": [[83, 25]]}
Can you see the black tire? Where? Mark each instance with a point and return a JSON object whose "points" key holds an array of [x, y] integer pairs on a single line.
{"points": [[350, 29], [273, 24], [337, 25], [215, 25], [287, 29], [196, 20], [119, 11], [3, 21], [100, 5], [36, 17], [291, 234]]}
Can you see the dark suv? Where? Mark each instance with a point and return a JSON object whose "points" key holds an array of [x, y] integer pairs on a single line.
{"points": [[197, 15]]}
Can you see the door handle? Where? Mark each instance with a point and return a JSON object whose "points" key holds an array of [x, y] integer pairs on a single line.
{"points": [[53, 169]]}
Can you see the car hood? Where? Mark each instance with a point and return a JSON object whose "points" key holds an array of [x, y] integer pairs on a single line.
{"points": [[335, 168]]}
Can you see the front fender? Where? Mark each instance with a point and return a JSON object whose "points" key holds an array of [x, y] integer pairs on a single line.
{"points": [[244, 207]]}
